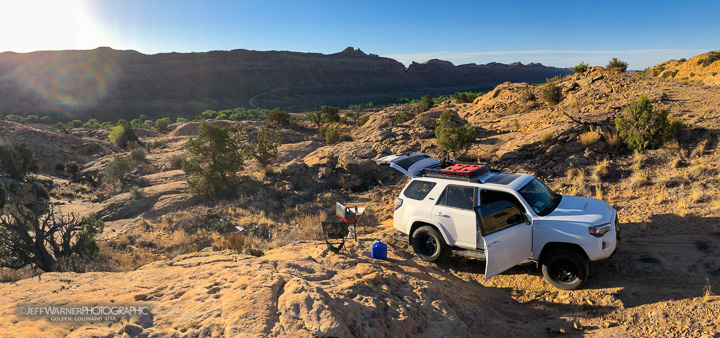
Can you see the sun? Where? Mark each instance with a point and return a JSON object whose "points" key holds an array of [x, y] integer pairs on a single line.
{"points": [[32, 25]]}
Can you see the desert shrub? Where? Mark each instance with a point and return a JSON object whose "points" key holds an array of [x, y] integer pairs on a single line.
{"points": [[516, 124], [42, 239], [643, 126], [466, 97], [426, 121], [551, 93], [546, 137], [39, 190], [315, 117], [403, 117], [3, 197], [452, 137], [161, 125], [427, 102], [182, 120], [75, 124], [138, 155], [332, 136], [91, 124], [18, 160], [136, 123], [123, 135], [682, 60], [330, 114], [692, 74], [136, 192], [581, 68], [60, 128], [278, 117], [72, 168], [364, 119], [264, 147], [617, 65], [148, 124], [712, 57], [175, 161], [116, 170], [213, 168]]}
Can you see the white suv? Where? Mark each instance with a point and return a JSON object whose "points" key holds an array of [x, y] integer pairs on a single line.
{"points": [[503, 218]]}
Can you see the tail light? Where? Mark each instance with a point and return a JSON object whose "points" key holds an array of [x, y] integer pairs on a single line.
{"points": [[398, 203]]}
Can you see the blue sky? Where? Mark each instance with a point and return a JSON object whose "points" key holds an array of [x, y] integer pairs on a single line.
{"points": [[557, 33]]}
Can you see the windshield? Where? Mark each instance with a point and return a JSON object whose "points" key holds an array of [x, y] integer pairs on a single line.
{"points": [[540, 197]]}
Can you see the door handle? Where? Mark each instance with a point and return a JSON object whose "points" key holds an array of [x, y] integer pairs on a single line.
{"points": [[493, 244], [440, 214]]}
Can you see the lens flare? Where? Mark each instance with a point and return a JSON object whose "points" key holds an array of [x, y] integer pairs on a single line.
{"points": [[70, 81]]}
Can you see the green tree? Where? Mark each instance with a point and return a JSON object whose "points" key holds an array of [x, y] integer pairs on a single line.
{"points": [[72, 168], [451, 136], [643, 126], [116, 171], [43, 239], [213, 168], [278, 118], [581, 68], [332, 135], [427, 102], [148, 124], [161, 125], [264, 147], [60, 128], [123, 135], [617, 65], [182, 120], [136, 123], [91, 124], [330, 114], [18, 160], [75, 124]]}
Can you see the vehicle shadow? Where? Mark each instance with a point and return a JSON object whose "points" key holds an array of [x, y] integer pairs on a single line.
{"points": [[670, 257]]}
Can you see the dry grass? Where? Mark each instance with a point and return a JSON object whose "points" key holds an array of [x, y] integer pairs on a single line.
{"points": [[546, 137], [707, 290], [638, 179], [589, 138], [638, 161], [698, 193], [676, 162], [13, 275], [699, 150], [613, 140], [602, 169]]}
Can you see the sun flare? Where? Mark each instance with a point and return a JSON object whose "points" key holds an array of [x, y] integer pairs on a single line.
{"points": [[34, 25]]}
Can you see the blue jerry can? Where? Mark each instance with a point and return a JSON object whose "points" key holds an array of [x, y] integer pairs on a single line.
{"points": [[379, 250]]}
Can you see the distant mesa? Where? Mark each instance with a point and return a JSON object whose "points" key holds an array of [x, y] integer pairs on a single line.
{"points": [[111, 83]]}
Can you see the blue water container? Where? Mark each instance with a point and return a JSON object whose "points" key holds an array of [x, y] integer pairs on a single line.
{"points": [[379, 250]]}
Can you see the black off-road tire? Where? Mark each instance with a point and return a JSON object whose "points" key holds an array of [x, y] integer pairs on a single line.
{"points": [[565, 269], [428, 244]]}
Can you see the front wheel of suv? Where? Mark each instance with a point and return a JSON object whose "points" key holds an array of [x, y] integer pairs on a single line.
{"points": [[565, 269], [428, 244]]}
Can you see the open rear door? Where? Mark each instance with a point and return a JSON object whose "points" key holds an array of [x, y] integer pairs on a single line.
{"points": [[507, 235], [409, 164]]}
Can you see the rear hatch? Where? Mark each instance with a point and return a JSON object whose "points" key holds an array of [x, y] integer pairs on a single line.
{"points": [[409, 164]]}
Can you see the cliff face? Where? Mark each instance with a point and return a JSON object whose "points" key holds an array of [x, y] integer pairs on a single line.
{"points": [[128, 83]]}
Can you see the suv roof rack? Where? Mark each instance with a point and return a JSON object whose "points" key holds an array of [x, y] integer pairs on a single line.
{"points": [[465, 171]]}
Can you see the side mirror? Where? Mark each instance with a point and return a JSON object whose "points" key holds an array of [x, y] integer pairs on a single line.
{"points": [[515, 219]]}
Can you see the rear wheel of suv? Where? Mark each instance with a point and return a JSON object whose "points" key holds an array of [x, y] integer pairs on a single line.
{"points": [[428, 244], [565, 269]]}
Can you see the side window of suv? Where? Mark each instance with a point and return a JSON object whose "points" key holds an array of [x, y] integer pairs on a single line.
{"points": [[417, 190], [497, 216], [458, 197], [491, 196]]}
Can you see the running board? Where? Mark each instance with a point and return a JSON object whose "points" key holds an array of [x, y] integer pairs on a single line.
{"points": [[477, 254]]}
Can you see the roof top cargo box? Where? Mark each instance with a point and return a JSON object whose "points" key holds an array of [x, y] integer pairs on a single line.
{"points": [[409, 164]]}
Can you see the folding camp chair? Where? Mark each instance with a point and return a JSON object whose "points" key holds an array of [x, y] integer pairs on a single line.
{"points": [[335, 234], [352, 216]]}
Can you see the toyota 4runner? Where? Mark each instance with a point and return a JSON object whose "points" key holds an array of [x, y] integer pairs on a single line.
{"points": [[502, 218]]}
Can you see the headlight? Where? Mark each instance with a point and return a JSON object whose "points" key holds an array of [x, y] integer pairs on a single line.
{"points": [[599, 230]]}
